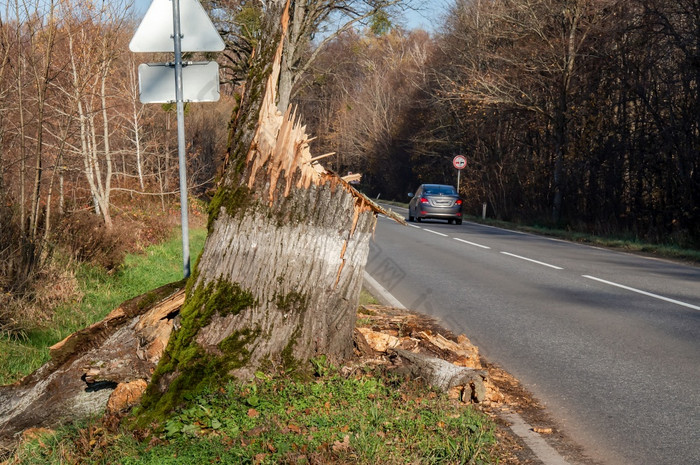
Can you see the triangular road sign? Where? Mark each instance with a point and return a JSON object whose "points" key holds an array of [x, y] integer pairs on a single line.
{"points": [[155, 33]]}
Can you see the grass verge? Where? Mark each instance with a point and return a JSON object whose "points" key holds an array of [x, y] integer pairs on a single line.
{"points": [[360, 418], [101, 292]]}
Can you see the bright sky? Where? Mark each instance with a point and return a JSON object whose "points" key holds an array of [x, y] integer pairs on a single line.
{"points": [[428, 18]]}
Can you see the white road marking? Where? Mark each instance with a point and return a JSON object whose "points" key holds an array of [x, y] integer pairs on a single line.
{"points": [[380, 292], [414, 226], [533, 261], [435, 232], [472, 243], [638, 291], [546, 453]]}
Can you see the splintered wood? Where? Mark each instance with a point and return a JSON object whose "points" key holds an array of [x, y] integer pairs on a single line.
{"points": [[108, 363], [280, 141], [385, 328], [281, 144], [417, 346]]}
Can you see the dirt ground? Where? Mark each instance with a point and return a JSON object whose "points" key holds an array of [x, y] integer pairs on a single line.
{"points": [[386, 328]]}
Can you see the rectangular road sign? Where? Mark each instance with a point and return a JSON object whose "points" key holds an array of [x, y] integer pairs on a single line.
{"points": [[200, 82]]}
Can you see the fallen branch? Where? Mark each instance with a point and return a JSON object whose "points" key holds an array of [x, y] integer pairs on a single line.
{"points": [[442, 374], [110, 361]]}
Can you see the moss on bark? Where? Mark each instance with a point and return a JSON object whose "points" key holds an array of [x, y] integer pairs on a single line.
{"points": [[294, 302], [187, 367], [289, 362], [235, 200]]}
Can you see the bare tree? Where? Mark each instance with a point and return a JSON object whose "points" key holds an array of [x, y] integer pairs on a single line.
{"points": [[131, 89], [91, 65], [4, 91], [523, 54]]}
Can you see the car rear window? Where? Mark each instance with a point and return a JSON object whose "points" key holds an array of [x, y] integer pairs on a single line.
{"points": [[440, 190]]}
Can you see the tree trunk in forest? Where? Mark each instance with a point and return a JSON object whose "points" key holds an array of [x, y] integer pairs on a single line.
{"points": [[279, 279]]}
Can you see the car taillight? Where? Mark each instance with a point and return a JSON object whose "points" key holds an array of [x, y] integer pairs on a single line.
{"points": [[459, 202], [424, 200]]}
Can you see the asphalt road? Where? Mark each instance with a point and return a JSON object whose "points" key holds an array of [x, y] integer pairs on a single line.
{"points": [[609, 342]]}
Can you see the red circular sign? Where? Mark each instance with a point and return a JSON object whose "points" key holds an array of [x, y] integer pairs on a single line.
{"points": [[459, 162]]}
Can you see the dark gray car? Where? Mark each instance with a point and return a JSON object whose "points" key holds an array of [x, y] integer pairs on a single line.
{"points": [[436, 201]]}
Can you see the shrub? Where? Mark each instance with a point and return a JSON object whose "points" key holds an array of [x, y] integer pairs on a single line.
{"points": [[19, 255], [50, 287], [86, 238], [20, 261]]}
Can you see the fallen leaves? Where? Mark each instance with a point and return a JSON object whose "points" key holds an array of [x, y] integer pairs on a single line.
{"points": [[343, 446], [294, 428]]}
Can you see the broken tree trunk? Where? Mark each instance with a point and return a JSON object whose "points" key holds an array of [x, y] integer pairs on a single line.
{"points": [[93, 366], [442, 374], [279, 279]]}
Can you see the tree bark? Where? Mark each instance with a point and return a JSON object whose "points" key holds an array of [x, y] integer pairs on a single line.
{"points": [[443, 375], [87, 366], [279, 279]]}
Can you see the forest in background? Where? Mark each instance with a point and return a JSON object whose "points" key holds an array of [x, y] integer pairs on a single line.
{"points": [[576, 113], [87, 172], [580, 114]]}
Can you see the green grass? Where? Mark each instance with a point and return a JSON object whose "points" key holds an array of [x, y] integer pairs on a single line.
{"points": [[364, 418], [367, 299], [102, 292]]}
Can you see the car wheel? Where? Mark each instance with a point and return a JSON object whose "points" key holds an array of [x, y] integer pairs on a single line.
{"points": [[418, 219], [450, 221], [459, 221], [410, 217]]}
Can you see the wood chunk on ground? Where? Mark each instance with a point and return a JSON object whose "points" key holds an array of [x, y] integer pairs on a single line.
{"points": [[119, 352], [126, 396], [416, 345]]}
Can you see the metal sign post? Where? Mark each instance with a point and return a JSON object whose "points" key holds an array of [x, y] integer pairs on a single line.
{"points": [[153, 35], [177, 38]]}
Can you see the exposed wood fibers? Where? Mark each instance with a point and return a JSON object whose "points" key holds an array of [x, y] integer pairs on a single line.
{"points": [[282, 145]]}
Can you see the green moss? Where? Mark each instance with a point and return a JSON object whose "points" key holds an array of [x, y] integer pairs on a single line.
{"points": [[234, 347], [192, 280], [232, 199], [192, 368], [294, 302], [289, 362]]}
